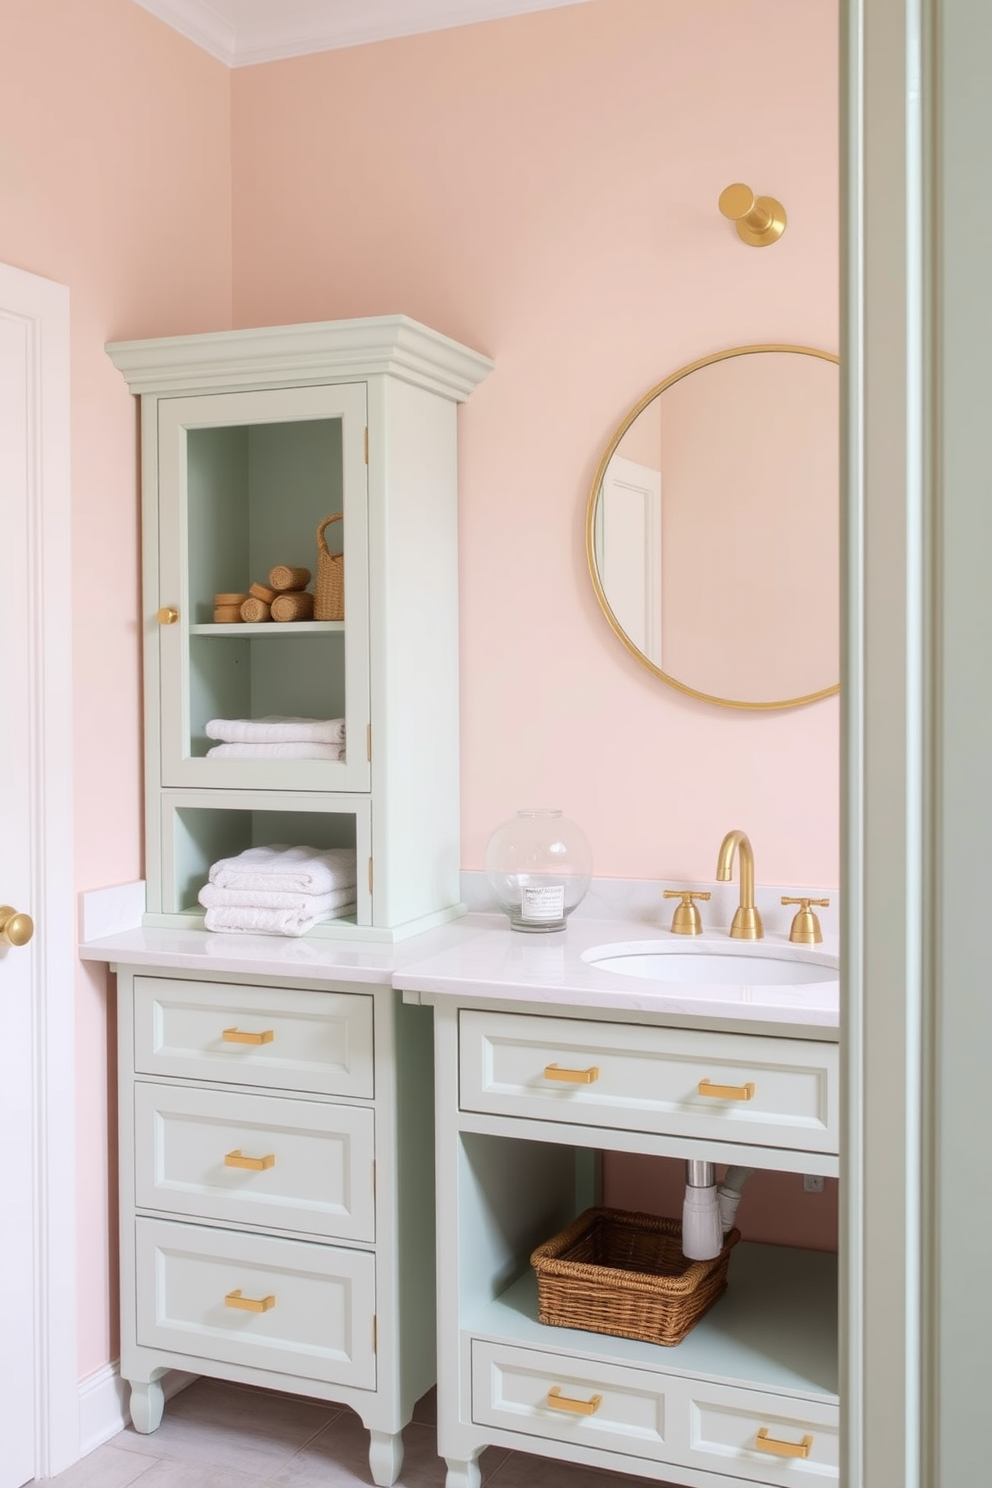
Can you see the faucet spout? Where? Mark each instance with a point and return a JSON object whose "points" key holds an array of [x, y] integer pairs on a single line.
{"points": [[747, 921]]}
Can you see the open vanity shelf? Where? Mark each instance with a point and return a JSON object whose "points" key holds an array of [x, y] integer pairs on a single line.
{"points": [[751, 1393]]}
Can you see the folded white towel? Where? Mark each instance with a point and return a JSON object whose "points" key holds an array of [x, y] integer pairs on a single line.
{"points": [[294, 750], [269, 921], [211, 897], [300, 870], [276, 730]]}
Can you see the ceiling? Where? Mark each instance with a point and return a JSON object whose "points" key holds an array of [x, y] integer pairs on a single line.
{"points": [[243, 32]]}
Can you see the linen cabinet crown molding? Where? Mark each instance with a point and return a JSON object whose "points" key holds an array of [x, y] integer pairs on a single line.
{"points": [[287, 356]]}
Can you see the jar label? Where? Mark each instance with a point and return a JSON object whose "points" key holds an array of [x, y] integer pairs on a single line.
{"points": [[544, 903]]}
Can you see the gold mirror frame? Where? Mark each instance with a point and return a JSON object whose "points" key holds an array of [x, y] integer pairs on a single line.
{"points": [[649, 397]]}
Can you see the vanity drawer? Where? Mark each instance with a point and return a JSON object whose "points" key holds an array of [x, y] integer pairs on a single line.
{"points": [[255, 1159], [632, 1077], [319, 1042], [285, 1305], [764, 1437], [560, 1399]]}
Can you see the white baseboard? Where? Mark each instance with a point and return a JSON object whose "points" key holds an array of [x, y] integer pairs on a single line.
{"points": [[103, 1403]]}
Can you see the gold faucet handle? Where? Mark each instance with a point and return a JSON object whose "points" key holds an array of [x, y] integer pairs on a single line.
{"points": [[686, 920], [806, 926]]}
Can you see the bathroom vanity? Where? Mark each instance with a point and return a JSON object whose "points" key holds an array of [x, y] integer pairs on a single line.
{"points": [[310, 1272], [543, 1062]]}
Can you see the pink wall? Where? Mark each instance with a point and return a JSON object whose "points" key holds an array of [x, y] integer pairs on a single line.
{"points": [[115, 180], [544, 188]]}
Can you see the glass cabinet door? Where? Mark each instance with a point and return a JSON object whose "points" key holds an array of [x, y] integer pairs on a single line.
{"points": [[244, 482]]}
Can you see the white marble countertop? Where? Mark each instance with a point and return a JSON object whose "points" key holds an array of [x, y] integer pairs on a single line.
{"points": [[479, 958]]}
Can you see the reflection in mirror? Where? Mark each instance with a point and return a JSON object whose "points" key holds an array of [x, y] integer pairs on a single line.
{"points": [[712, 530]]}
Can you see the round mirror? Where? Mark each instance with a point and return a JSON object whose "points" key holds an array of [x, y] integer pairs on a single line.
{"points": [[712, 531]]}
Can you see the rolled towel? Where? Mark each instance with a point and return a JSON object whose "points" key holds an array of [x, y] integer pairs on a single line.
{"points": [[269, 921], [300, 870], [211, 897], [294, 750], [276, 730]]}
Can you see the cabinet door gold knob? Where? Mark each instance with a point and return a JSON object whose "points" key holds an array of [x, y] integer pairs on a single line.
{"points": [[727, 1092], [16, 929], [572, 1076], [237, 1159], [558, 1401], [249, 1304], [766, 1443], [235, 1036], [167, 615]]}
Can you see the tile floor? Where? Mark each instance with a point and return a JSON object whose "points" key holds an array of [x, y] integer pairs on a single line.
{"points": [[219, 1435]]}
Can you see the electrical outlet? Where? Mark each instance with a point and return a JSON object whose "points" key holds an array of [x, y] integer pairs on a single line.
{"points": [[812, 1183]]}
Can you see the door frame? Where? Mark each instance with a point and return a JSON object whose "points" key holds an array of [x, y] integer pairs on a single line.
{"points": [[43, 308]]}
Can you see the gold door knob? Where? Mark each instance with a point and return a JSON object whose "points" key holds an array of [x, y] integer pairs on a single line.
{"points": [[167, 615], [15, 929]]}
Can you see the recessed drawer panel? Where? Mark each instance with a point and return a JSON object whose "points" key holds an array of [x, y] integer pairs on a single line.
{"points": [[561, 1399], [635, 1077], [286, 1305], [319, 1042], [255, 1159], [768, 1438]]}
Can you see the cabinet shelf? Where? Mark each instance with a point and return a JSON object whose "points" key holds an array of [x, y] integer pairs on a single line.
{"points": [[271, 628], [775, 1328]]}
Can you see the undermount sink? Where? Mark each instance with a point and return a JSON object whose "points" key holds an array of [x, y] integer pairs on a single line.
{"points": [[657, 962]]}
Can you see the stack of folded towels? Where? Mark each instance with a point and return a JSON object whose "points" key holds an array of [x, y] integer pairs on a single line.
{"points": [[279, 890], [277, 738]]}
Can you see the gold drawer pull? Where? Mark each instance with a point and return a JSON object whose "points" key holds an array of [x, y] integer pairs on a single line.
{"points": [[573, 1076], [237, 1159], [235, 1036], [249, 1304], [727, 1092], [766, 1443], [558, 1401]]}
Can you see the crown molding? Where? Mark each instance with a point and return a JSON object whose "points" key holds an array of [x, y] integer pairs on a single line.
{"points": [[243, 33], [298, 355]]}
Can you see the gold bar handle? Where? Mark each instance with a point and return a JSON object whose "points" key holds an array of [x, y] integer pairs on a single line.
{"points": [[572, 1076], [557, 1401], [237, 1159], [766, 1443], [249, 1304], [727, 1092], [235, 1036]]}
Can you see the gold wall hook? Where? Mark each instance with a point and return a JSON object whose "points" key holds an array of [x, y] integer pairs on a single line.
{"points": [[760, 220]]}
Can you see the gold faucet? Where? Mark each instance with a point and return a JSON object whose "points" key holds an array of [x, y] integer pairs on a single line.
{"points": [[747, 921]]}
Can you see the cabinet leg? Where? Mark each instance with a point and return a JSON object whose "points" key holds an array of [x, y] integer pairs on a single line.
{"points": [[385, 1457], [147, 1405], [463, 1474]]}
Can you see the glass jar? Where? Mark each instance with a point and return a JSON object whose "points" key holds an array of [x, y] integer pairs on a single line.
{"points": [[539, 866]]}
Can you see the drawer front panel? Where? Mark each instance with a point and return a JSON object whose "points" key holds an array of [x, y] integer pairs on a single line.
{"points": [[561, 1399], [286, 1305], [255, 1159], [753, 1089], [767, 1438], [319, 1042]]}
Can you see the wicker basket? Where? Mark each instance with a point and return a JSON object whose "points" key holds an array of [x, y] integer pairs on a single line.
{"points": [[329, 588], [616, 1272]]}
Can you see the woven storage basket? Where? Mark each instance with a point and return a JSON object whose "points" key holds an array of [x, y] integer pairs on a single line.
{"points": [[328, 601], [285, 579], [295, 606], [621, 1273]]}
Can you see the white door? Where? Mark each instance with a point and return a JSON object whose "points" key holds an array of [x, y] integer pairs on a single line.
{"points": [[38, 1391]]}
